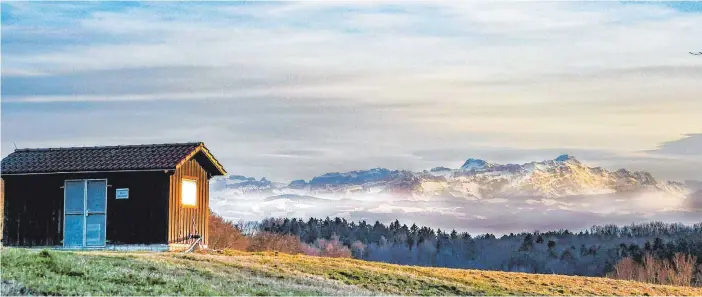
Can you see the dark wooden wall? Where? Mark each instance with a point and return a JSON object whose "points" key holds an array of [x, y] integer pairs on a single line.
{"points": [[33, 208], [180, 222], [2, 206]]}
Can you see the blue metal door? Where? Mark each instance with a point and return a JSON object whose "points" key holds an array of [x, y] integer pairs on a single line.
{"points": [[95, 213], [74, 221], [85, 213]]}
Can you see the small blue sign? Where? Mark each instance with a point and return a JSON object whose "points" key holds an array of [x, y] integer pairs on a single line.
{"points": [[122, 193]]}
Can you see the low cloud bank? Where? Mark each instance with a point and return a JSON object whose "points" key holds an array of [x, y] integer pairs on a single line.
{"points": [[498, 215]]}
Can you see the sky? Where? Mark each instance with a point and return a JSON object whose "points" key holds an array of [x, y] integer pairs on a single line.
{"points": [[289, 90]]}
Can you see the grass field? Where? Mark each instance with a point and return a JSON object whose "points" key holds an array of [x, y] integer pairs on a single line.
{"points": [[238, 273]]}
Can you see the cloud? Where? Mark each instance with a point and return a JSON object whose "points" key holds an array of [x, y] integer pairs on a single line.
{"points": [[475, 216], [690, 145], [301, 153], [694, 201], [363, 84]]}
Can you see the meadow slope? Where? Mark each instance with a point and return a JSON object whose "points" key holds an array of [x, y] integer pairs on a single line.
{"points": [[240, 273]]}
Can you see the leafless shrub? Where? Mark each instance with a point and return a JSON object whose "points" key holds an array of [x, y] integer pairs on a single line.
{"points": [[225, 235], [678, 272], [358, 249], [685, 266], [328, 248], [266, 241], [626, 269], [650, 269]]}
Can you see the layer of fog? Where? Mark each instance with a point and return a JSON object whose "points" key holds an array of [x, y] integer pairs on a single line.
{"points": [[496, 215]]}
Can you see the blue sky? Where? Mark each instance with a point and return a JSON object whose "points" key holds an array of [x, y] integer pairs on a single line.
{"points": [[294, 89]]}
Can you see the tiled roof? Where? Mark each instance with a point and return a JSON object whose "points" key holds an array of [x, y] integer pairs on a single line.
{"points": [[100, 158]]}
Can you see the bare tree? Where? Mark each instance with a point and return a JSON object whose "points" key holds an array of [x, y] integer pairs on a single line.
{"points": [[225, 235], [267, 241], [685, 267], [679, 271], [625, 269]]}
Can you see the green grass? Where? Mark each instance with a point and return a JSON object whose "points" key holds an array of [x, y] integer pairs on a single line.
{"points": [[239, 273], [89, 273]]}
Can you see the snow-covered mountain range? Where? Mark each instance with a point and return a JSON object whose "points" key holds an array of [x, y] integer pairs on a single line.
{"points": [[477, 197], [476, 179]]}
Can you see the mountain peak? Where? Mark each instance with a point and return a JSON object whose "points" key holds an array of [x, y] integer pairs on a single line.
{"points": [[564, 157], [440, 168], [476, 179], [471, 164]]}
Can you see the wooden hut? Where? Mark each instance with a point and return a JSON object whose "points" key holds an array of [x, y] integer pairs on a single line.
{"points": [[111, 197]]}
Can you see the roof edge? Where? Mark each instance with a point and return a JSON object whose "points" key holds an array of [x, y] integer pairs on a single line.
{"points": [[107, 146], [201, 148], [84, 171]]}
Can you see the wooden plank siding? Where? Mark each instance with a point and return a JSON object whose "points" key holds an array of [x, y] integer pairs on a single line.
{"points": [[181, 218], [32, 193], [34, 204]]}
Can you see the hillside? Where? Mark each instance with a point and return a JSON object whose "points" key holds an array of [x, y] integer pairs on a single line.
{"points": [[239, 273]]}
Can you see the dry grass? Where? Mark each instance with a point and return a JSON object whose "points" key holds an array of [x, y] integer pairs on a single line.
{"points": [[412, 280], [236, 273]]}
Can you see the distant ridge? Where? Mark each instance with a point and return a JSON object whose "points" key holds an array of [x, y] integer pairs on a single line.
{"points": [[562, 176]]}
